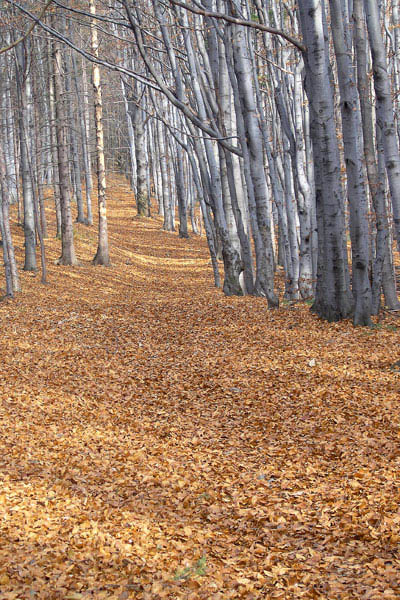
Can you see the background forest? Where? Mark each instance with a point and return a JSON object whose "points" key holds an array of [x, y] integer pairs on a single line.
{"points": [[277, 122]]}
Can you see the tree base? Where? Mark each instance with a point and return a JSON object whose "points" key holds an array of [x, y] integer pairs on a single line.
{"points": [[67, 262], [101, 260]]}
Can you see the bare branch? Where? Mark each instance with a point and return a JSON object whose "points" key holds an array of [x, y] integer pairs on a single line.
{"points": [[85, 54], [28, 32], [236, 21]]}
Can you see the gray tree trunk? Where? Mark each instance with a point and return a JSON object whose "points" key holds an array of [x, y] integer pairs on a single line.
{"points": [[356, 191], [305, 199], [68, 256], [231, 258], [232, 190], [25, 136], [6, 258], [333, 299], [388, 270], [202, 187], [180, 193], [39, 171], [86, 138], [84, 144], [102, 256], [10, 161], [131, 136], [256, 179], [75, 162], [381, 275], [11, 270], [168, 224], [384, 108], [53, 138], [141, 159]]}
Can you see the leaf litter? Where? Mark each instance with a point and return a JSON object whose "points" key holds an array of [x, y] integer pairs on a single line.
{"points": [[159, 440]]}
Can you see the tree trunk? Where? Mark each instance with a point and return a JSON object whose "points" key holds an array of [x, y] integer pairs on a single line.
{"points": [[86, 142], [252, 148], [356, 191], [12, 277], [180, 192], [384, 109], [141, 163], [168, 224], [6, 257], [76, 166], [333, 299], [25, 136], [68, 256], [375, 179], [53, 138], [102, 255]]}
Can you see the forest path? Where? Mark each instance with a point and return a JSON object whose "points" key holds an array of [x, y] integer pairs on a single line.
{"points": [[159, 440]]}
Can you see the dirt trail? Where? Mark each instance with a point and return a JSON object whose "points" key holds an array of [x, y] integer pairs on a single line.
{"points": [[159, 440]]}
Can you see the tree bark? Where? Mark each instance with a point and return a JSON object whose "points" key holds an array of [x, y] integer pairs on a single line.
{"points": [[180, 192], [86, 142], [333, 299], [384, 109], [12, 277], [53, 138], [25, 136], [68, 256], [356, 191], [102, 255], [382, 277]]}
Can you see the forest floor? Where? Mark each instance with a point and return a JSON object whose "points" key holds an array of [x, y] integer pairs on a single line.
{"points": [[159, 440]]}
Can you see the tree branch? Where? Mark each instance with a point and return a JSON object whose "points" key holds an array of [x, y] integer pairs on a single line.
{"points": [[30, 29], [182, 106], [85, 54], [252, 24]]}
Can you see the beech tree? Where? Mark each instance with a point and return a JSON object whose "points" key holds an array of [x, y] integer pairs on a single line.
{"points": [[102, 254], [68, 256]]}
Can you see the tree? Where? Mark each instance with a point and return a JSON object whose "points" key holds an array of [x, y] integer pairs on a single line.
{"points": [[333, 299], [102, 255], [68, 256]]}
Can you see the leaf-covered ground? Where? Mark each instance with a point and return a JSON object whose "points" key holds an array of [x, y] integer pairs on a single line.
{"points": [[159, 440]]}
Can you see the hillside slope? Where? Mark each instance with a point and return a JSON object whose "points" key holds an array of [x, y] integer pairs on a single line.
{"points": [[159, 440]]}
